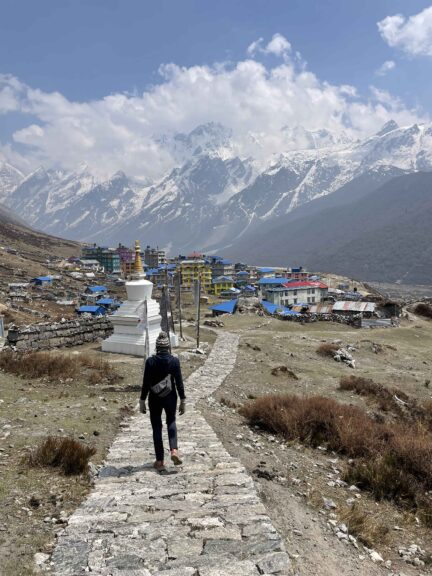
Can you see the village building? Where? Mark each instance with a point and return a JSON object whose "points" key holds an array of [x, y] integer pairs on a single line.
{"points": [[296, 293], [268, 283], [222, 267], [108, 303], [228, 307], [196, 269], [92, 310], [222, 284], [297, 273], [154, 257], [107, 257], [90, 264], [42, 280]]}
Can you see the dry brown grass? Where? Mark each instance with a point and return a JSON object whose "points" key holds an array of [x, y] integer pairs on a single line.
{"points": [[423, 309], [57, 366], [368, 529], [284, 370], [327, 350], [394, 462], [69, 455], [390, 400]]}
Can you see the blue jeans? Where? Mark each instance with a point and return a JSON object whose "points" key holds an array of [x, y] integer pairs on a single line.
{"points": [[156, 406]]}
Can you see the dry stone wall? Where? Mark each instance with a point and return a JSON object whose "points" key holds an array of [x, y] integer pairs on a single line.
{"points": [[47, 335]]}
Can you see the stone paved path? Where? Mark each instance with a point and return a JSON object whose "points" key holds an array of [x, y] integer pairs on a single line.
{"points": [[206, 520]]}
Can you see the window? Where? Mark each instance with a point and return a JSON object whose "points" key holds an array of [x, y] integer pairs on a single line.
{"points": [[295, 294], [313, 290], [295, 300], [313, 298]]}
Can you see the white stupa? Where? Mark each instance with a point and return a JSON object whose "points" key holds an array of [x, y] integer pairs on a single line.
{"points": [[129, 321]]}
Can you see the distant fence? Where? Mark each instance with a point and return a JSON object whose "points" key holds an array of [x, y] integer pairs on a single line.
{"points": [[59, 334]]}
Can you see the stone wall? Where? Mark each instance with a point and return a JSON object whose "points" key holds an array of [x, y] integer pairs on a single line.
{"points": [[59, 334]]}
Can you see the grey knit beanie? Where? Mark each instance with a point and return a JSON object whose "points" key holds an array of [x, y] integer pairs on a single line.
{"points": [[162, 342]]}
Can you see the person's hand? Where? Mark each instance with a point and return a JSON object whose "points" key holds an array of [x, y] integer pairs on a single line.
{"points": [[142, 407], [182, 407]]}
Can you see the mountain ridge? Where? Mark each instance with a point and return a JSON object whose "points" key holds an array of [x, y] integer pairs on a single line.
{"points": [[212, 197]]}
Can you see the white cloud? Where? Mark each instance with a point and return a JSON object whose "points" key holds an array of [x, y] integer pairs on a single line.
{"points": [[123, 131], [385, 67], [278, 46], [413, 35]]}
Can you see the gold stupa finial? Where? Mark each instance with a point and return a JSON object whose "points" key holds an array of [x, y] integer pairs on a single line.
{"points": [[138, 266]]}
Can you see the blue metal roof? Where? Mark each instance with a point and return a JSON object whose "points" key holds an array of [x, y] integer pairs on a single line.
{"points": [[273, 281], [106, 301], [227, 307], [265, 270], [249, 287], [97, 288], [274, 308], [222, 280], [153, 271], [226, 262], [243, 273], [91, 309], [43, 279]]}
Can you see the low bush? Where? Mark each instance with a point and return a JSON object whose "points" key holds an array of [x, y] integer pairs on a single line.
{"points": [[54, 366], [423, 309], [394, 462], [284, 370], [327, 350], [368, 529], [390, 399], [71, 456]]}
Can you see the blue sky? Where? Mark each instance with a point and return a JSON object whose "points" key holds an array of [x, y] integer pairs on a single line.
{"points": [[87, 50]]}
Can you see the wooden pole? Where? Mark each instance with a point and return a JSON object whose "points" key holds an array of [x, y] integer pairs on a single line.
{"points": [[178, 287], [198, 313]]}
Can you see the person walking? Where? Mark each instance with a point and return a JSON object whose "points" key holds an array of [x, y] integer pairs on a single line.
{"points": [[161, 383]]}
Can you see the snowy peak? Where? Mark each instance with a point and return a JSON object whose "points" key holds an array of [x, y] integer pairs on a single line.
{"points": [[388, 127], [298, 138], [211, 139], [10, 177]]}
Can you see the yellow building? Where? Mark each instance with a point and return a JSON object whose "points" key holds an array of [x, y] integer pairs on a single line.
{"points": [[222, 283], [196, 270]]}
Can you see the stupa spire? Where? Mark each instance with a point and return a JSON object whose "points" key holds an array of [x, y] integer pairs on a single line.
{"points": [[138, 266]]}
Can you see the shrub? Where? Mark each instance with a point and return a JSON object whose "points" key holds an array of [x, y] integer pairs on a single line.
{"points": [[394, 462], [389, 399], [365, 527], [284, 370], [57, 366], [423, 309], [327, 350], [71, 456]]}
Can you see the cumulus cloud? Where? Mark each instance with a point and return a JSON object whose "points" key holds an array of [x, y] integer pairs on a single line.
{"points": [[413, 35], [125, 131], [385, 67], [278, 46]]}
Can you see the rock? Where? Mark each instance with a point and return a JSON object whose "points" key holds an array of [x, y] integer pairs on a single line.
{"points": [[274, 563], [40, 558], [375, 557], [329, 504]]}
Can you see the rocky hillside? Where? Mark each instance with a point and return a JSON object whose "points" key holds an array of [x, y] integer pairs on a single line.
{"points": [[24, 251], [385, 234]]}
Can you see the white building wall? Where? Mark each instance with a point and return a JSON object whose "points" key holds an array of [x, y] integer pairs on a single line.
{"points": [[298, 296]]}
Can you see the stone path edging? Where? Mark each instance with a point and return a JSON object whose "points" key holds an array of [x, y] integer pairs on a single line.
{"points": [[206, 520]]}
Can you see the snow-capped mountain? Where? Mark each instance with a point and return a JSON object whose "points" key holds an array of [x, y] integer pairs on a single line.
{"points": [[10, 177], [213, 195]]}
